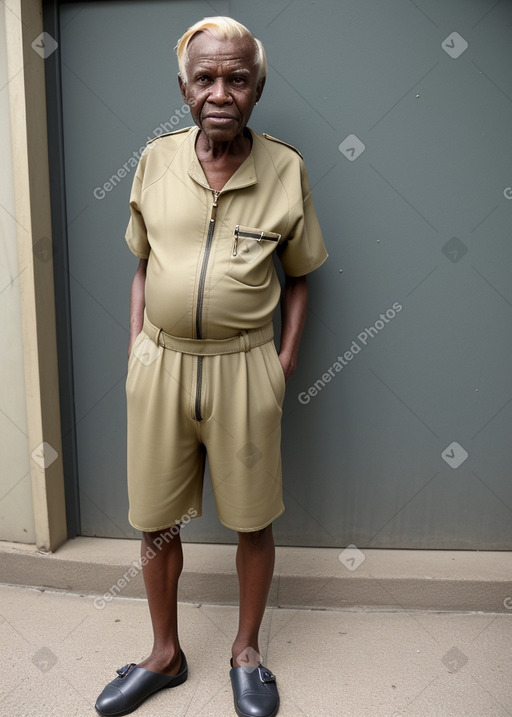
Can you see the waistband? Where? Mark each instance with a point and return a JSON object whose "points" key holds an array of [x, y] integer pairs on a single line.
{"points": [[244, 341]]}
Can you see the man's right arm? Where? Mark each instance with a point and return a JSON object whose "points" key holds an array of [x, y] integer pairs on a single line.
{"points": [[137, 302]]}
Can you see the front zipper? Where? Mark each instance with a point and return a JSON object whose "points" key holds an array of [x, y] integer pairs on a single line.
{"points": [[199, 304]]}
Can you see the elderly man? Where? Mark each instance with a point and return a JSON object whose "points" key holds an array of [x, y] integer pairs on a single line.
{"points": [[210, 206]]}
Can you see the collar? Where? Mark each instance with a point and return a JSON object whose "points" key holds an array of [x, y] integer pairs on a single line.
{"points": [[245, 175]]}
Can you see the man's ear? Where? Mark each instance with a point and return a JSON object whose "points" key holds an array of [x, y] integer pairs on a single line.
{"points": [[183, 87], [259, 88]]}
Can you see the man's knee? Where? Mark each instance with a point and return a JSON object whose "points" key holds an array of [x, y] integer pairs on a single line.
{"points": [[255, 537], [160, 538]]}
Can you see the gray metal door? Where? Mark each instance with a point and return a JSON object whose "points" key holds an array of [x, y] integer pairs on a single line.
{"points": [[397, 423]]}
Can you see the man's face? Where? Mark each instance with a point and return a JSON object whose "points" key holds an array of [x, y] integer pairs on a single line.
{"points": [[222, 86]]}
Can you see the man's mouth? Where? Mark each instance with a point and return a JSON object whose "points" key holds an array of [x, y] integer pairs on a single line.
{"points": [[220, 118]]}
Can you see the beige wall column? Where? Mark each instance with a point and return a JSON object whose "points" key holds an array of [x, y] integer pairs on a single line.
{"points": [[26, 57]]}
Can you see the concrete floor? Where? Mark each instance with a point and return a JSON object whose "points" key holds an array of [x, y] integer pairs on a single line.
{"points": [[59, 650]]}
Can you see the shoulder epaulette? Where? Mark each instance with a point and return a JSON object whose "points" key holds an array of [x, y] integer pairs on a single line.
{"points": [[168, 134], [280, 141]]}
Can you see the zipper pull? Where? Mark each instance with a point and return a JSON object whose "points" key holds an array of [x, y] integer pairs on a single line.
{"points": [[235, 243], [215, 197]]}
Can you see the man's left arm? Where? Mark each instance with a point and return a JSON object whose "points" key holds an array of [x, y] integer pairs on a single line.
{"points": [[294, 302]]}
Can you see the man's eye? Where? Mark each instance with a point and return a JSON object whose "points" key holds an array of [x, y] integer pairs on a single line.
{"points": [[202, 79]]}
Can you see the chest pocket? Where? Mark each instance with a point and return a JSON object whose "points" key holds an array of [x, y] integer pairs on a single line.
{"points": [[251, 254]]}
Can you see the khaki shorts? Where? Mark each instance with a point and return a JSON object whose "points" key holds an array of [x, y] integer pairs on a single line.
{"points": [[190, 398]]}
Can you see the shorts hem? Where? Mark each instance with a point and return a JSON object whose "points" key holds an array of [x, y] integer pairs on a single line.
{"points": [[253, 530], [167, 526]]}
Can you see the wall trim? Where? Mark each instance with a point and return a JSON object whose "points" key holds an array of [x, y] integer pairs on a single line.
{"points": [[27, 100]]}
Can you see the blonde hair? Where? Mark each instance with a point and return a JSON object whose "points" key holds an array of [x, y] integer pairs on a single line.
{"points": [[222, 28]]}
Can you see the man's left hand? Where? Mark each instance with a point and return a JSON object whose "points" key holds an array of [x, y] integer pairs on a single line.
{"points": [[288, 364]]}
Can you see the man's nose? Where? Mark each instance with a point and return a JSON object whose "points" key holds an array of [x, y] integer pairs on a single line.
{"points": [[219, 92]]}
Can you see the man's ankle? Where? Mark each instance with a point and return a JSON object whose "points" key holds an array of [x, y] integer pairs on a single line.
{"points": [[168, 662], [248, 656]]}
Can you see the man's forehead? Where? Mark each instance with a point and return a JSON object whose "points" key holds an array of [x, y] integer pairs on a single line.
{"points": [[204, 48]]}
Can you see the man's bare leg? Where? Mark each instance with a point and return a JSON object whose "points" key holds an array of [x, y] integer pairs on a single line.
{"points": [[255, 566], [161, 574]]}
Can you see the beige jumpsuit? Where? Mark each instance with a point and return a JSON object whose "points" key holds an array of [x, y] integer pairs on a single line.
{"points": [[203, 374]]}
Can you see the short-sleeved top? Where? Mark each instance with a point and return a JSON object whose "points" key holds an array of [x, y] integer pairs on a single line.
{"points": [[210, 271]]}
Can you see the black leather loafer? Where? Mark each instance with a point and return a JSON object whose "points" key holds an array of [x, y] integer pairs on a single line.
{"points": [[134, 685], [254, 691]]}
